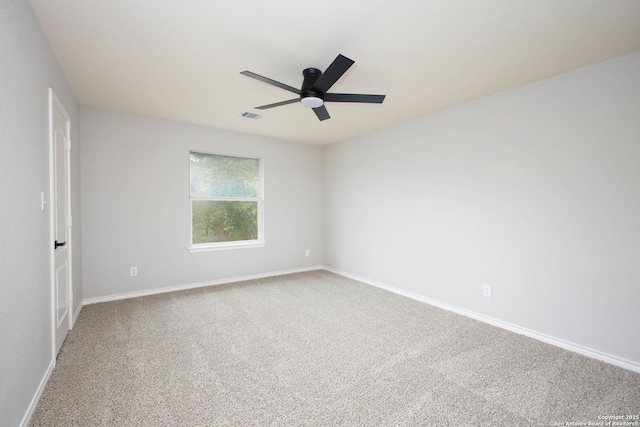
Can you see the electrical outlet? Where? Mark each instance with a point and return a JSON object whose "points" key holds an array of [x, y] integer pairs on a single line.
{"points": [[486, 291], [133, 271], [307, 252]]}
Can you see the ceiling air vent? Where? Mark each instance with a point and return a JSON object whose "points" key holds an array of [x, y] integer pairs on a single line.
{"points": [[251, 115]]}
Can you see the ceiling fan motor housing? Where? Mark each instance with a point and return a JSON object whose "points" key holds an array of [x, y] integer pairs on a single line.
{"points": [[311, 75]]}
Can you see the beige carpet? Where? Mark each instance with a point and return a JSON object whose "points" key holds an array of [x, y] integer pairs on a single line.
{"points": [[315, 349]]}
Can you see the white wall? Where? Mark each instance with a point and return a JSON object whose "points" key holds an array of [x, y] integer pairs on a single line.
{"points": [[27, 70], [135, 201], [535, 191]]}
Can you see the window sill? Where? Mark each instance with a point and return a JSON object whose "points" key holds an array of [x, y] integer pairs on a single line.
{"points": [[226, 246]]}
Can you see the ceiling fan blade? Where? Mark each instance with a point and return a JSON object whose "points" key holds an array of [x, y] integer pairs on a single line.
{"points": [[277, 104], [270, 81], [322, 113], [338, 67], [353, 97]]}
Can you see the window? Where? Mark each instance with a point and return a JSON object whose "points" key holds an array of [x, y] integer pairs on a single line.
{"points": [[226, 202]]}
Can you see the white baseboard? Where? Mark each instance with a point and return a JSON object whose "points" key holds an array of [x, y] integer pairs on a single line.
{"points": [[45, 379], [576, 348], [76, 314], [197, 285], [36, 397]]}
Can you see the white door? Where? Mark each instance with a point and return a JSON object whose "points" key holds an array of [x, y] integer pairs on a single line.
{"points": [[61, 222]]}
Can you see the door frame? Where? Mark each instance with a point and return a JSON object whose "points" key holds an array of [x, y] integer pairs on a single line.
{"points": [[54, 102]]}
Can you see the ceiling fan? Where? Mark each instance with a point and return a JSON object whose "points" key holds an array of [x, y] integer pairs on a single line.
{"points": [[313, 93]]}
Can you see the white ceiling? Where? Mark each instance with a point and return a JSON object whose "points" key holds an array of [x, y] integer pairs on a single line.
{"points": [[180, 59]]}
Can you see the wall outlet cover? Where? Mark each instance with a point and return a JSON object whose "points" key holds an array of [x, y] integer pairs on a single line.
{"points": [[486, 291]]}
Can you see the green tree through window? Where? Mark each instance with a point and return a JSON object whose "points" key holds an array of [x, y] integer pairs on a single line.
{"points": [[226, 199]]}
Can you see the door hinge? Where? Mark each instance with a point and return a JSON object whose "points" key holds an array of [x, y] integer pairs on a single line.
{"points": [[68, 141], [71, 296], [69, 221]]}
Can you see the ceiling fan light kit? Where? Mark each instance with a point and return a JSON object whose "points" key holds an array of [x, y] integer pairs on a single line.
{"points": [[315, 85], [312, 102]]}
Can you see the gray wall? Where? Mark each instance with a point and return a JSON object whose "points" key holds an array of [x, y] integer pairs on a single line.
{"points": [[27, 69], [534, 191], [135, 202]]}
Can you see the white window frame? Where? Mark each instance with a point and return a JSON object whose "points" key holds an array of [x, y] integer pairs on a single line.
{"points": [[236, 244]]}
